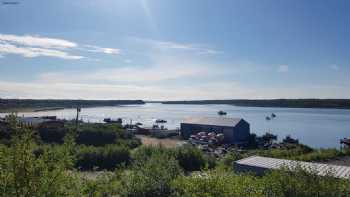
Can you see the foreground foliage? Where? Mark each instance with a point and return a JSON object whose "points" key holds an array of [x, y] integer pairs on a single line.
{"points": [[23, 173], [28, 168], [278, 184]]}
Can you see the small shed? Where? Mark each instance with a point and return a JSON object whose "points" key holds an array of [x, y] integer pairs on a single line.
{"points": [[260, 165], [235, 130]]}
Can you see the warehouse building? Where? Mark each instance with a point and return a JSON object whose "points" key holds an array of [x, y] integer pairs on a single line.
{"points": [[260, 165], [235, 130]]}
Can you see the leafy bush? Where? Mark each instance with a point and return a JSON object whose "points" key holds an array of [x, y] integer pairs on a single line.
{"points": [[52, 135], [150, 178], [106, 157], [188, 157], [98, 134], [25, 174], [130, 143], [303, 184], [321, 155], [216, 184], [277, 183]]}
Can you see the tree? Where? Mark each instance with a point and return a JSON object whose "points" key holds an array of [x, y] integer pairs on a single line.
{"points": [[23, 173], [151, 178]]}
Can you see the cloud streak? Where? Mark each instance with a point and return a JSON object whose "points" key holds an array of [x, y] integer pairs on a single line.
{"points": [[97, 49], [35, 46], [31, 52], [334, 67], [36, 41], [283, 68], [177, 46]]}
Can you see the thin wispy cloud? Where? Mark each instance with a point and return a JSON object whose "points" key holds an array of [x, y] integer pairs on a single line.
{"points": [[97, 49], [154, 74], [334, 67], [37, 41], [181, 46], [34, 46], [31, 52], [199, 49], [128, 61], [283, 68]]}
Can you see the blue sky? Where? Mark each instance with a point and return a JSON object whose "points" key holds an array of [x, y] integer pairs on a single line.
{"points": [[169, 50]]}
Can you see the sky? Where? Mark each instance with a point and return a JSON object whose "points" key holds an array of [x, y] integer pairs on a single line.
{"points": [[174, 50]]}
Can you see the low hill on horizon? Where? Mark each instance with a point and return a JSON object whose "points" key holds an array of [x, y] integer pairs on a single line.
{"points": [[289, 103], [37, 104]]}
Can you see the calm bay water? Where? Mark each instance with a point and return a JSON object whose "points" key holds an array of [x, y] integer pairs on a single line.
{"points": [[314, 127]]}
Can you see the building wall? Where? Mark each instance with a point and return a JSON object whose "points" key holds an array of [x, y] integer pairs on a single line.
{"points": [[239, 133], [240, 168], [189, 129]]}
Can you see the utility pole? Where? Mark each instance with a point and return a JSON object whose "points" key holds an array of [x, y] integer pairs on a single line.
{"points": [[77, 119]]}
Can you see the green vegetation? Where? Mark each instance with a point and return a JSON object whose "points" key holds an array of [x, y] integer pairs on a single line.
{"points": [[102, 158], [292, 103], [277, 183], [297, 152], [189, 158], [29, 166], [302, 153], [151, 177], [23, 173], [10, 105]]}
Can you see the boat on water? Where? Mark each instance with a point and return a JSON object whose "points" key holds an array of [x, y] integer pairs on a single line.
{"points": [[345, 141], [109, 120], [290, 140], [221, 113], [268, 118], [273, 115], [161, 121]]}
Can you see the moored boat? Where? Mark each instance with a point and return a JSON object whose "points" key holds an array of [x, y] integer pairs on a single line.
{"points": [[160, 121], [221, 113]]}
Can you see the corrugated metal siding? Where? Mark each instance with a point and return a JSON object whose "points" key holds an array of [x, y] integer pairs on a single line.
{"points": [[259, 164]]}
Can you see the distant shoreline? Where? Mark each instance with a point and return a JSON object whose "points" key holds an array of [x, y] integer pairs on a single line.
{"points": [[36, 105], [280, 103]]}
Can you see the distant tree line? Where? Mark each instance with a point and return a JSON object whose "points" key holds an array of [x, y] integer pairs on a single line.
{"points": [[9, 104], [292, 103]]}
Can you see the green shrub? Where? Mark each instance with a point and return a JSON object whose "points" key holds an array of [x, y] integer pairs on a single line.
{"points": [[97, 134], [216, 184], [277, 183], [22, 173], [190, 158], [303, 184], [150, 178], [52, 135], [106, 157]]}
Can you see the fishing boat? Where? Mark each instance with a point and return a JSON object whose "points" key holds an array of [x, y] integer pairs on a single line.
{"points": [[109, 120], [221, 113], [268, 118], [160, 121], [138, 124], [290, 140], [273, 115], [345, 141]]}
